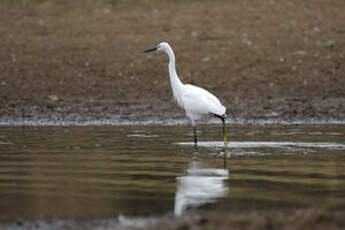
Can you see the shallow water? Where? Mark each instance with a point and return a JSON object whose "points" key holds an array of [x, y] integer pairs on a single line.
{"points": [[97, 172]]}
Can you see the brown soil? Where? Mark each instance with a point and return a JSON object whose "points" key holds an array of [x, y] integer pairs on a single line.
{"points": [[82, 60]]}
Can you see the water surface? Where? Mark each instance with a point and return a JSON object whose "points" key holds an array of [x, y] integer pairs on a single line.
{"points": [[97, 172]]}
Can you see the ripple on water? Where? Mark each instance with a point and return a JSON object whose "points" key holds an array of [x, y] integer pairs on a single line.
{"points": [[272, 144], [239, 148], [97, 172]]}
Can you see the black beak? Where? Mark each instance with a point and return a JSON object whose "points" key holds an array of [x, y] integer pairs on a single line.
{"points": [[152, 49]]}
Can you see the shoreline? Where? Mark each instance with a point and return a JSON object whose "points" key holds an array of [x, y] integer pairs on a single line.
{"points": [[170, 122]]}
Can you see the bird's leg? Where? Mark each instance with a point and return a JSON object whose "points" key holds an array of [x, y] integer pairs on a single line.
{"points": [[224, 130], [224, 133], [225, 160], [195, 137]]}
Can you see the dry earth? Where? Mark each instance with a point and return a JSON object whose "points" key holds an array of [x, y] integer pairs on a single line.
{"points": [[84, 60]]}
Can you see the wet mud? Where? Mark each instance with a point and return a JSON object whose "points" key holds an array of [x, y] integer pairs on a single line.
{"points": [[299, 219]]}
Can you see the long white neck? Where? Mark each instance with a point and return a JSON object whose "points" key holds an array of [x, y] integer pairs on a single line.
{"points": [[175, 82]]}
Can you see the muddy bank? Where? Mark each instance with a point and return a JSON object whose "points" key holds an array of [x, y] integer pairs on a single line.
{"points": [[312, 218], [83, 60]]}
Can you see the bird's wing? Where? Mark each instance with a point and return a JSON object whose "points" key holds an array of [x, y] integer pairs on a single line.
{"points": [[198, 101]]}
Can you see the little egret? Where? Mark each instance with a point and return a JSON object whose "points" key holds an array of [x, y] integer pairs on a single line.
{"points": [[196, 101]]}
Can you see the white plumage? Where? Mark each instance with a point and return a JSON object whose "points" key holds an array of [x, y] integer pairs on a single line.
{"points": [[196, 102]]}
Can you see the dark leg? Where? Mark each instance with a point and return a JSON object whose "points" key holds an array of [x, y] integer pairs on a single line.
{"points": [[224, 133], [195, 137], [224, 130]]}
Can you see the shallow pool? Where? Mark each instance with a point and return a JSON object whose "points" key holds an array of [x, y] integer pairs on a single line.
{"points": [[96, 172]]}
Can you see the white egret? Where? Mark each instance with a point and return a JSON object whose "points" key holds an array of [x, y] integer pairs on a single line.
{"points": [[196, 101]]}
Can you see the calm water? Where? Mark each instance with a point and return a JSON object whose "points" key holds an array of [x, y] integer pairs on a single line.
{"points": [[104, 171]]}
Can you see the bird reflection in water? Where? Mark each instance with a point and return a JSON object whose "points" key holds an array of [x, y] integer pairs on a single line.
{"points": [[200, 186]]}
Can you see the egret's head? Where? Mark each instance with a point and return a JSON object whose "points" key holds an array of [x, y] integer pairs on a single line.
{"points": [[163, 46]]}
